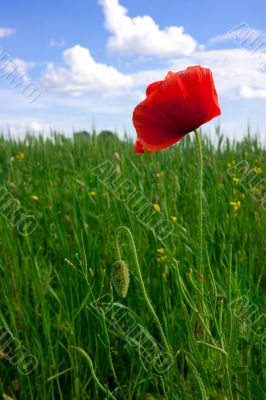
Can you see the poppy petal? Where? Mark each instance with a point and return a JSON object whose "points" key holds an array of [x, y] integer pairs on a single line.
{"points": [[176, 106], [169, 74], [150, 89]]}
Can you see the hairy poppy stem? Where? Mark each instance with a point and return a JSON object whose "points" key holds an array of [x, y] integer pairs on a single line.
{"points": [[200, 251]]}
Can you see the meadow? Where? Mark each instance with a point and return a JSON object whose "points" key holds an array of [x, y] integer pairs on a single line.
{"points": [[64, 331]]}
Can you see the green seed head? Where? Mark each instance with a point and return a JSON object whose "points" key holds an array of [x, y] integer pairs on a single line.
{"points": [[120, 278]]}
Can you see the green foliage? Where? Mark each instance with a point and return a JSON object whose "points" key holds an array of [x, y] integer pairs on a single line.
{"points": [[213, 322]]}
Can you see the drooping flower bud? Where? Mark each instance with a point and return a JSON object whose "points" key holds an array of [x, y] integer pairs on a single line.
{"points": [[120, 278]]}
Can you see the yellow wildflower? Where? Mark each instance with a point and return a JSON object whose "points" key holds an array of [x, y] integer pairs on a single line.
{"points": [[157, 207], [230, 164], [161, 259], [236, 180], [159, 174], [174, 219], [34, 197], [20, 156], [92, 193], [257, 170], [236, 205], [160, 250]]}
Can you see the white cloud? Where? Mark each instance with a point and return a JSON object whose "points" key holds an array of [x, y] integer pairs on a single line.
{"points": [[57, 43], [232, 69], [247, 92], [82, 73], [18, 128], [10, 65], [241, 34], [4, 32], [15, 66], [225, 37], [141, 35], [36, 126]]}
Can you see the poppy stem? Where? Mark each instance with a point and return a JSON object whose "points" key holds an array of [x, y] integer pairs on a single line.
{"points": [[200, 207]]}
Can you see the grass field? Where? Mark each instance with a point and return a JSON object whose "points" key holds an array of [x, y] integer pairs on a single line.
{"points": [[64, 331]]}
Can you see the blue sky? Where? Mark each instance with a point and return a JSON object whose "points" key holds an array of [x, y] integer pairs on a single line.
{"points": [[91, 60]]}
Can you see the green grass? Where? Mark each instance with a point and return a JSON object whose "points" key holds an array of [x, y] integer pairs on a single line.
{"points": [[217, 340]]}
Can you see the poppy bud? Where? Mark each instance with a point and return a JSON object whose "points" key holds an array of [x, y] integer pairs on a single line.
{"points": [[120, 278]]}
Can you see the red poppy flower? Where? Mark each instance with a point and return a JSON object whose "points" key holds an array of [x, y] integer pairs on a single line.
{"points": [[180, 103]]}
